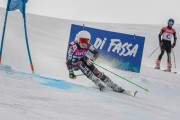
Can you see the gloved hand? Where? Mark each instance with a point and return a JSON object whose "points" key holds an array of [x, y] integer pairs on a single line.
{"points": [[72, 75], [161, 43], [173, 45], [90, 61]]}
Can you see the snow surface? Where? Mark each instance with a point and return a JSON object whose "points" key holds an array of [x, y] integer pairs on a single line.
{"points": [[51, 95]]}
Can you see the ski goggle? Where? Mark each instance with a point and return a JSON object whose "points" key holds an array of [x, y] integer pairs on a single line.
{"points": [[171, 23], [84, 40]]}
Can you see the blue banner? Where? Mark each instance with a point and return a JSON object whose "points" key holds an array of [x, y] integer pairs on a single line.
{"points": [[120, 50], [17, 4]]}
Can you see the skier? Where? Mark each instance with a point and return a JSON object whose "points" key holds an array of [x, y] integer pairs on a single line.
{"points": [[77, 60], [165, 43]]}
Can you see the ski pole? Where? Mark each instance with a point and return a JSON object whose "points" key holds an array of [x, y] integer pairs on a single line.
{"points": [[153, 51], [122, 77], [174, 58]]}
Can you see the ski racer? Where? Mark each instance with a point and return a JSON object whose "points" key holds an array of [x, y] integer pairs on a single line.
{"points": [[77, 60], [165, 38]]}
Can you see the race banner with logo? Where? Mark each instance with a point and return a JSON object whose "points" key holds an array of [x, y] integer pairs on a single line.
{"points": [[122, 51]]}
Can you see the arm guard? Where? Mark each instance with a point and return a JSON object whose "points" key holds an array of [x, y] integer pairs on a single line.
{"points": [[70, 53], [94, 51], [160, 34]]}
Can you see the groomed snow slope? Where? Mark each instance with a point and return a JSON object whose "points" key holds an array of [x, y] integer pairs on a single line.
{"points": [[55, 97]]}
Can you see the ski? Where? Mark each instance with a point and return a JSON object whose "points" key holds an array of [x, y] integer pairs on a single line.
{"points": [[167, 71], [126, 92], [130, 93], [170, 71]]}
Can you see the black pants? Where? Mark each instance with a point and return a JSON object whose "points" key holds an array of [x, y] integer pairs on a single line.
{"points": [[166, 46]]}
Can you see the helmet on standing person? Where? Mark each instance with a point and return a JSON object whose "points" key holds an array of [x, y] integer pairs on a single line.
{"points": [[83, 37], [171, 21]]}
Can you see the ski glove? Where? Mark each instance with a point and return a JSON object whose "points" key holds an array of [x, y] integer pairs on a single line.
{"points": [[90, 61], [161, 43], [173, 45], [72, 75]]}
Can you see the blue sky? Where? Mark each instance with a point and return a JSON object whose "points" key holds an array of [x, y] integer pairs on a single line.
{"points": [[113, 11]]}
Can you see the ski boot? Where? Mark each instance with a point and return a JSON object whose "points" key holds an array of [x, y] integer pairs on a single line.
{"points": [[101, 87], [112, 85], [115, 87], [97, 82], [169, 66], [158, 64]]}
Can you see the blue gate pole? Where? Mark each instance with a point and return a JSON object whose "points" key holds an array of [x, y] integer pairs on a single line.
{"points": [[4, 30], [27, 44]]}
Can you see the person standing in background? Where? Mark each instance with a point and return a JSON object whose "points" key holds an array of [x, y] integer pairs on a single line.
{"points": [[165, 38]]}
